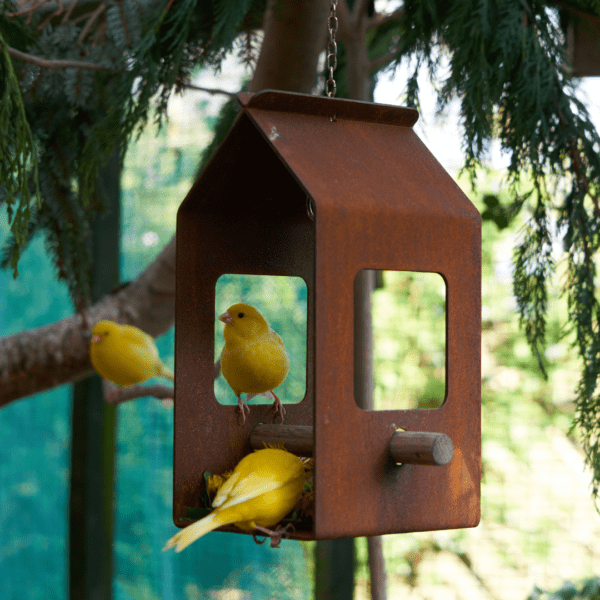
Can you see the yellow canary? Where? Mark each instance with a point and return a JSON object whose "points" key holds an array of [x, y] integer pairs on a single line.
{"points": [[262, 489], [253, 360], [125, 354]]}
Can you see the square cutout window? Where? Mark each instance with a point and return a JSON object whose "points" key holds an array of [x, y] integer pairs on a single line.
{"points": [[283, 303], [409, 340]]}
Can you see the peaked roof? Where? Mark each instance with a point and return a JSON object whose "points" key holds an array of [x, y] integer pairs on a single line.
{"points": [[346, 152]]}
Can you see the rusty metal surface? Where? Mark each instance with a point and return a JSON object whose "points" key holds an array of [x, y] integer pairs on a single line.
{"points": [[338, 108], [382, 202]]}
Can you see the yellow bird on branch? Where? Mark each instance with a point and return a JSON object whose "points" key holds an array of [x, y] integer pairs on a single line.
{"points": [[262, 489], [253, 360], [125, 354]]}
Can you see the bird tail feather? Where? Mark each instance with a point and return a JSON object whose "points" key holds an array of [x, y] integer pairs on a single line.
{"points": [[196, 530], [166, 372]]}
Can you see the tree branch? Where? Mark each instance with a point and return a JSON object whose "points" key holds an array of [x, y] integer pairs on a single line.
{"points": [[91, 17], [294, 36], [190, 86], [381, 61], [27, 11], [359, 9], [380, 19], [162, 392], [45, 63], [35, 360]]}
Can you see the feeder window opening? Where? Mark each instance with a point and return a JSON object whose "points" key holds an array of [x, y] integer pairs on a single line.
{"points": [[282, 301], [408, 312]]}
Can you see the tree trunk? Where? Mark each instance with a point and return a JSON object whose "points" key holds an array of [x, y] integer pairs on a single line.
{"points": [[294, 36]]}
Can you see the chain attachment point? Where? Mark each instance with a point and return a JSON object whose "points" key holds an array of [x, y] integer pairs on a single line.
{"points": [[332, 25]]}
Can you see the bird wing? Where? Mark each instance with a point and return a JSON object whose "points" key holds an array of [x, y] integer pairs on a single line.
{"points": [[276, 338], [136, 336], [246, 487]]}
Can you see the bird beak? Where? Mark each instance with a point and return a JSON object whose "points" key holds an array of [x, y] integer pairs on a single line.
{"points": [[225, 317], [96, 339]]}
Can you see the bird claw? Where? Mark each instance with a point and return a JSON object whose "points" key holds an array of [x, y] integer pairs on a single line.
{"points": [[243, 410], [278, 409], [276, 535], [257, 541]]}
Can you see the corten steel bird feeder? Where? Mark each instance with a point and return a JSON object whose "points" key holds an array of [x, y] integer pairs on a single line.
{"points": [[380, 201]]}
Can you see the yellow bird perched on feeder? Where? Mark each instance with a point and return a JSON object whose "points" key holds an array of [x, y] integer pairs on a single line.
{"points": [[253, 360], [125, 354], [262, 489]]}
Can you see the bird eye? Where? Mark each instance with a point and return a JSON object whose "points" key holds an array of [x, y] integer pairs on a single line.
{"points": [[240, 315]]}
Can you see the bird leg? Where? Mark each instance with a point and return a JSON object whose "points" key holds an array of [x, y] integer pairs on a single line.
{"points": [[243, 409], [278, 409], [276, 535], [110, 391]]}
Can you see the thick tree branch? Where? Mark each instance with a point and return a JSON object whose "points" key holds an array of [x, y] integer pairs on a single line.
{"points": [[294, 36], [35, 360], [359, 10]]}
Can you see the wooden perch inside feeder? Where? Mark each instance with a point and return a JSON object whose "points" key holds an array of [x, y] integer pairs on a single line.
{"points": [[406, 447]]}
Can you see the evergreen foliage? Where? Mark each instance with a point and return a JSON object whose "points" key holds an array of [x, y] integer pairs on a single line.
{"points": [[136, 52], [589, 589], [507, 68], [18, 150], [503, 60]]}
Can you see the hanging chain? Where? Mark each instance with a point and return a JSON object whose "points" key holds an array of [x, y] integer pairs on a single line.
{"points": [[332, 25]]}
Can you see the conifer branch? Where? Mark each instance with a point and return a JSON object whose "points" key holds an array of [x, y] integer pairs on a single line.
{"points": [[46, 63], [190, 86], [27, 11], [91, 18], [124, 23], [576, 164], [382, 61]]}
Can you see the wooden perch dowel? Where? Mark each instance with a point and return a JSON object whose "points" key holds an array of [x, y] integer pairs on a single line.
{"points": [[407, 447], [297, 439], [421, 448]]}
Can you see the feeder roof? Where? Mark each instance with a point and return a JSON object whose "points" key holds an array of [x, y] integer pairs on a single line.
{"points": [[356, 154]]}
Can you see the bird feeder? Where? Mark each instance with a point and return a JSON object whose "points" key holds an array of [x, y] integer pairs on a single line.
{"points": [[321, 188]]}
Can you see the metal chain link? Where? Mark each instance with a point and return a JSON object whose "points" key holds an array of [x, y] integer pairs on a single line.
{"points": [[332, 25]]}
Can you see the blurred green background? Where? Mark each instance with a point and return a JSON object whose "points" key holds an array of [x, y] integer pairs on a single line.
{"points": [[539, 526]]}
